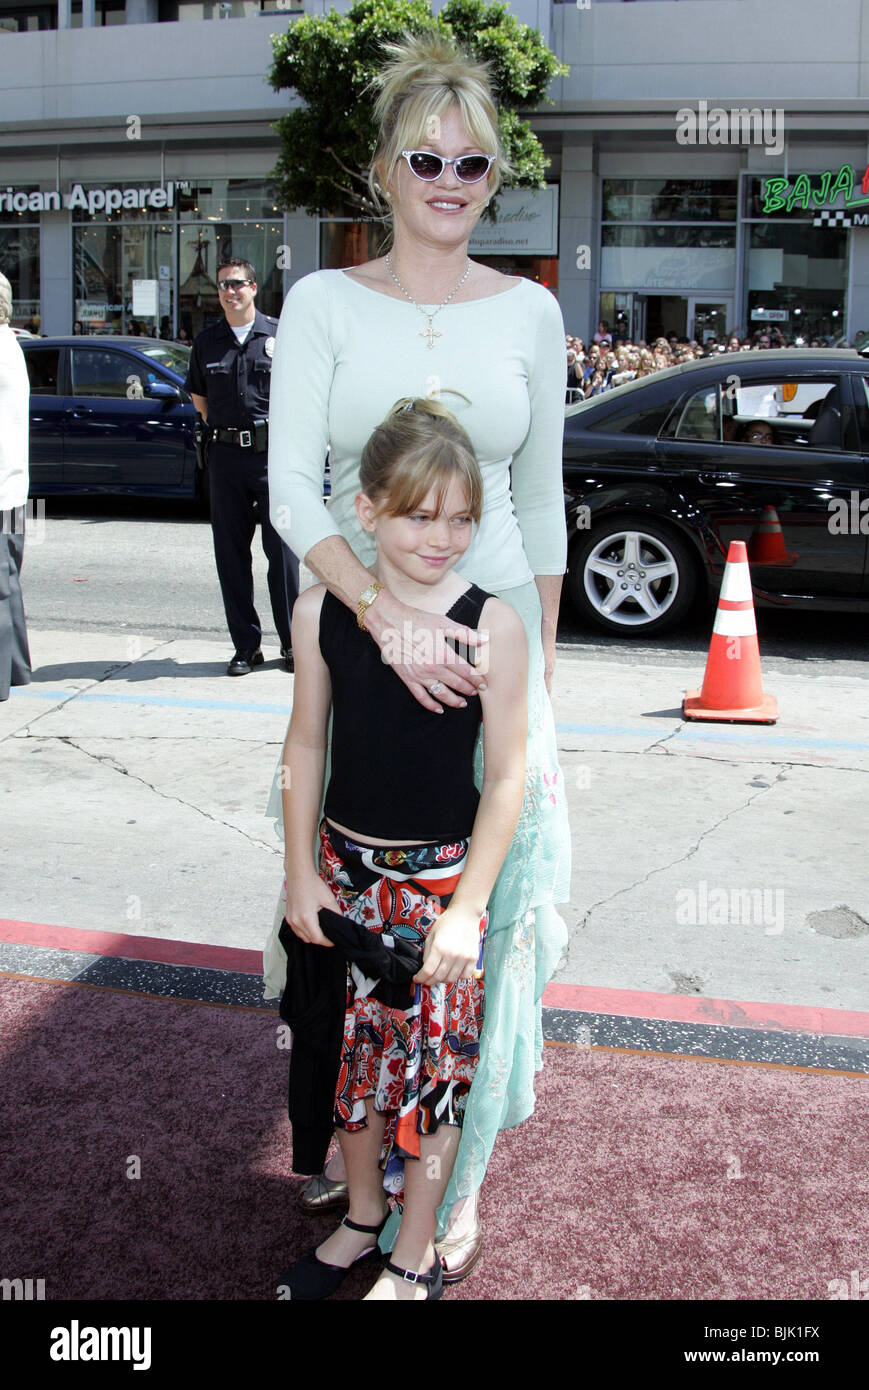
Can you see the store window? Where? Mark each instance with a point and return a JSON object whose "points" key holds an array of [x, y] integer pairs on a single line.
{"points": [[177, 257], [27, 19], [344, 242], [219, 219], [797, 273], [105, 12], [107, 259], [665, 243], [202, 248], [669, 200], [19, 262]]}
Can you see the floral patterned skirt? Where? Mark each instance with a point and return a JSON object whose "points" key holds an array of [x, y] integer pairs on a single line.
{"points": [[417, 1064]]}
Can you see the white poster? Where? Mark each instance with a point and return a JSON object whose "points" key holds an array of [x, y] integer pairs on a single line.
{"points": [[527, 224], [145, 299]]}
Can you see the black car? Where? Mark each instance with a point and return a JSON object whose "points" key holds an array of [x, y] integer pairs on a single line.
{"points": [[110, 415], [660, 475]]}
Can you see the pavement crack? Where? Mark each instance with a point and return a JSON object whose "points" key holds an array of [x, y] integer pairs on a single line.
{"points": [[659, 742], [107, 760], [689, 853], [84, 690]]}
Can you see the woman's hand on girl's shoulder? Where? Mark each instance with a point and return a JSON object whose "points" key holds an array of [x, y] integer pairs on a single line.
{"points": [[414, 643]]}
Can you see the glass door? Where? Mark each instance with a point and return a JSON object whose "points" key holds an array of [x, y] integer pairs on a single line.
{"points": [[709, 318]]}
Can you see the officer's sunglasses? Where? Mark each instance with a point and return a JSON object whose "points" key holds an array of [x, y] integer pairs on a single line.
{"points": [[469, 168], [233, 284]]}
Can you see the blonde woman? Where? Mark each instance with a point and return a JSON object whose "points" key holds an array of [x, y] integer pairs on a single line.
{"points": [[420, 321]]}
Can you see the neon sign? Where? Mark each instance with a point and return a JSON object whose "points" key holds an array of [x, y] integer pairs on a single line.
{"points": [[780, 193]]}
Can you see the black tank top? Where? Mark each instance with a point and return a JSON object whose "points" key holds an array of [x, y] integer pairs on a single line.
{"points": [[399, 771]]}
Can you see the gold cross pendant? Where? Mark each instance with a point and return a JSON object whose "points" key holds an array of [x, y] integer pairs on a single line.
{"points": [[431, 333]]}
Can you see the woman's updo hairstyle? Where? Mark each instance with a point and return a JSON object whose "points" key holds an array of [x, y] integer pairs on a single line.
{"points": [[425, 76], [419, 448]]}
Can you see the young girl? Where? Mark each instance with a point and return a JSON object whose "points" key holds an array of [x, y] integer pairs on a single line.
{"points": [[407, 847]]}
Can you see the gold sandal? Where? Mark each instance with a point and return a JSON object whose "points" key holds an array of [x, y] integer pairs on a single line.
{"points": [[462, 1251], [321, 1194]]}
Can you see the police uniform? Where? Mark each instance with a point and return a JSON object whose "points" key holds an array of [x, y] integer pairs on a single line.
{"points": [[235, 378]]}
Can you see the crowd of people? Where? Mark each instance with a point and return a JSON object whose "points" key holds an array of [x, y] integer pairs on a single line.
{"points": [[612, 360]]}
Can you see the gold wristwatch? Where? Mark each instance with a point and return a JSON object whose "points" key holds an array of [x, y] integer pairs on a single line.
{"points": [[365, 600]]}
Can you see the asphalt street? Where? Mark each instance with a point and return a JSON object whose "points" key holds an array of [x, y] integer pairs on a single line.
{"points": [[119, 565], [721, 861]]}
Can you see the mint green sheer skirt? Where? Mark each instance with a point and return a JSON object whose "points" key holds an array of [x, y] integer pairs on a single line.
{"points": [[526, 936]]}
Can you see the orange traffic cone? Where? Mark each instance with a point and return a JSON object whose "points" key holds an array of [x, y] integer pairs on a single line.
{"points": [[766, 544], [732, 686]]}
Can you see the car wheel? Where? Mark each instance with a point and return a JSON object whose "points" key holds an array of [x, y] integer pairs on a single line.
{"points": [[632, 576]]}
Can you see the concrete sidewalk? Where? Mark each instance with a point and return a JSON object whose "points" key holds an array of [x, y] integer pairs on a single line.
{"points": [[715, 860]]}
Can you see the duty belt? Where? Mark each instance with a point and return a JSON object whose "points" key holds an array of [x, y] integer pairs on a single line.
{"points": [[242, 439]]}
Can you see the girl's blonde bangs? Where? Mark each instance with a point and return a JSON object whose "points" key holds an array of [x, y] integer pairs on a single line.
{"points": [[432, 469]]}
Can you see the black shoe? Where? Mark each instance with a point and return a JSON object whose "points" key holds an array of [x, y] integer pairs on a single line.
{"points": [[287, 658], [311, 1278], [243, 663], [434, 1279]]}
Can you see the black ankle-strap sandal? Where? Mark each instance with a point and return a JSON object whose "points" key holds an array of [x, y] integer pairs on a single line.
{"points": [[366, 1230], [311, 1278], [434, 1279]]}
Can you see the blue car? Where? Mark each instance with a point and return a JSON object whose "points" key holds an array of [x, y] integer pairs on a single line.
{"points": [[111, 415]]}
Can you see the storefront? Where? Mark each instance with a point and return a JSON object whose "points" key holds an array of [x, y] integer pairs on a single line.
{"points": [[702, 258], [143, 256], [697, 256], [19, 262]]}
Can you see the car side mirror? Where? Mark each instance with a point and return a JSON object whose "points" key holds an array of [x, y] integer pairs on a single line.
{"points": [[164, 390]]}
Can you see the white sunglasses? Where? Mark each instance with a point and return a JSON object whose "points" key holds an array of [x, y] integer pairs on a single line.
{"points": [[468, 168]]}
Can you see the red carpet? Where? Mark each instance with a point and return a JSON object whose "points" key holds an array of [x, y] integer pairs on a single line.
{"points": [[639, 1177]]}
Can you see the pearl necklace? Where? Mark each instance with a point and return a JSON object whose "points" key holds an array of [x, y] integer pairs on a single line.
{"points": [[431, 333]]}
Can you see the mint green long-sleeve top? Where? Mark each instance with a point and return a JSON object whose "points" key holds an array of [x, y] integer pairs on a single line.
{"points": [[345, 353]]}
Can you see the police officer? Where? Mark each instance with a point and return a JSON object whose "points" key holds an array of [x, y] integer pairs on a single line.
{"points": [[229, 377]]}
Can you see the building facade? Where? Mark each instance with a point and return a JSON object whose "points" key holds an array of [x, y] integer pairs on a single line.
{"points": [[708, 161]]}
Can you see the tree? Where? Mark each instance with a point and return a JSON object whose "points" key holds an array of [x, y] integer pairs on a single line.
{"points": [[327, 143]]}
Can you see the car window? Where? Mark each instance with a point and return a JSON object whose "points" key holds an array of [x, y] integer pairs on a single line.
{"points": [[783, 413], [43, 365], [174, 355], [104, 372], [697, 417], [634, 421], [861, 400]]}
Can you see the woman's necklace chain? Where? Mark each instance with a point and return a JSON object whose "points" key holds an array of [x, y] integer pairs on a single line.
{"points": [[431, 333]]}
